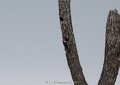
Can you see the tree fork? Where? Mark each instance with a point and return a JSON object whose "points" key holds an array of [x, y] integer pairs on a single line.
{"points": [[112, 50], [69, 43]]}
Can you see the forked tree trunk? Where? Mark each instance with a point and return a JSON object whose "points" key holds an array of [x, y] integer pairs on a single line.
{"points": [[112, 46], [69, 43], [112, 50]]}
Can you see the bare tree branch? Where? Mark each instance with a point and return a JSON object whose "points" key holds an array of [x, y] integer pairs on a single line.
{"points": [[112, 50], [69, 43]]}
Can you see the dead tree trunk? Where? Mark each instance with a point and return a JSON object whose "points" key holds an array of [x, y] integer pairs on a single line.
{"points": [[112, 46], [112, 50], [69, 43]]}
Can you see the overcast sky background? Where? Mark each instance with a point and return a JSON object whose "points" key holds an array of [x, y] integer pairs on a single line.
{"points": [[31, 49]]}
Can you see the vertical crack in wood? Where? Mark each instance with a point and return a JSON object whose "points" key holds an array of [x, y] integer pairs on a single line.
{"points": [[69, 43], [112, 50]]}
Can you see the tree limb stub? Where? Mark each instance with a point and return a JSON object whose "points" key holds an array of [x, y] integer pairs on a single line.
{"points": [[69, 43], [112, 50]]}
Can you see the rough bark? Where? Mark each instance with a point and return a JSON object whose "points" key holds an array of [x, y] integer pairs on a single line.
{"points": [[69, 43], [112, 50]]}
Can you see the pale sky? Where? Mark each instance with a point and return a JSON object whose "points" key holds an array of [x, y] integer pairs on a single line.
{"points": [[31, 49]]}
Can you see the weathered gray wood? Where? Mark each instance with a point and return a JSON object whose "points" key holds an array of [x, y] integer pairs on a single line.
{"points": [[69, 43], [112, 50]]}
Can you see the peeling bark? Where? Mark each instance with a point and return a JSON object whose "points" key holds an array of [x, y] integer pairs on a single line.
{"points": [[69, 43], [112, 50]]}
